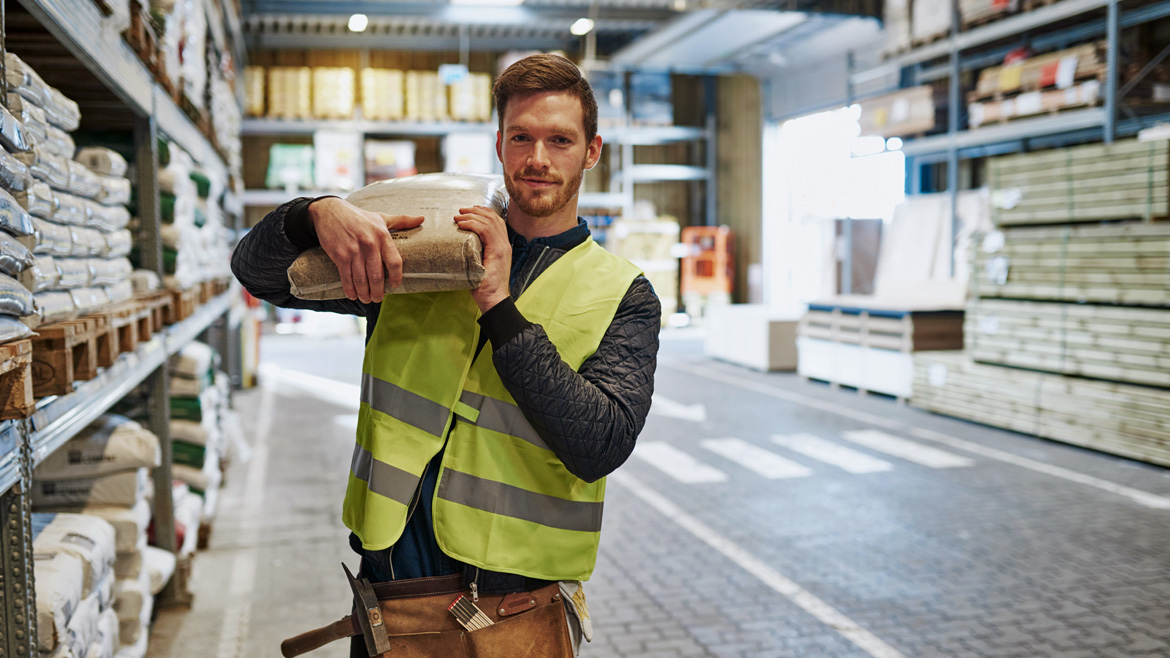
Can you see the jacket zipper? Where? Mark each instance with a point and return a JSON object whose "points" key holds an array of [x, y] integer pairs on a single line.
{"points": [[533, 271], [475, 587]]}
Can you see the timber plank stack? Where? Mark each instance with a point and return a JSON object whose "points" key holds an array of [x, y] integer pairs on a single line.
{"points": [[1125, 179], [1068, 326], [1126, 420]]}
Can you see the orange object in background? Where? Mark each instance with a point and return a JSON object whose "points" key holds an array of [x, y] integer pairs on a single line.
{"points": [[709, 266]]}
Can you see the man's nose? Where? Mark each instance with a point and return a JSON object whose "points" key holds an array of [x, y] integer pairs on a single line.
{"points": [[538, 158]]}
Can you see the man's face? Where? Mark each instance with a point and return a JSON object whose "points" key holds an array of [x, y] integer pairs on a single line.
{"points": [[544, 151]]}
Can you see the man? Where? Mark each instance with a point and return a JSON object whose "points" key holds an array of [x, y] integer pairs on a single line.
{"points": [[573, 335]]}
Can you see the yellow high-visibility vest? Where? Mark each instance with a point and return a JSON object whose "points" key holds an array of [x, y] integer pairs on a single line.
{"points": [[504, 501]]}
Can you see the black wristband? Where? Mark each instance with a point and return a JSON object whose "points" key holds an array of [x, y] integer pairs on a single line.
{"points": [[298, 226], [503, 322]]}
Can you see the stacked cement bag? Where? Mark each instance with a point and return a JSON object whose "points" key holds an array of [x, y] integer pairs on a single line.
{"points": [[16, 226], [74, 573], [77, 215], [198, 398], [195, 243], [104, 473]]}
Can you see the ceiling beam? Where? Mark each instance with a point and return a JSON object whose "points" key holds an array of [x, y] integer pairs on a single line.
{"points": [[452, 13]]}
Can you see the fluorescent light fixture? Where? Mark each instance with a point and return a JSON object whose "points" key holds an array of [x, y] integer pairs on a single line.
{"points": [[488, 3], [358, 23], [894, 144], [582, 27]]}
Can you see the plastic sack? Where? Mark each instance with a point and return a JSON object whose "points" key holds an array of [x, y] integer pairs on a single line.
{"points": [[89, 538], [194, 361], [61, 111], [60, 142], [14, 174], [145, 281], [58, 577], [52, 239], [161, 566], [107, 272], [23, 80], [43, 165], [114, 190], [14, 256], [38, 200], [54, 306], [43, 275], [13, 135], [71, 209], [135, 632], [14, 219], [82, 628], [110, 444], [119, 292], [118, 243], [72, 273], [108, 218], [123, 489], [15, 299], [128, 566], [435, 256], [102, 160], [88, 241], [30, 115], [108, 638], [89, 299], [131, 594], [84, 182], [13, 329]]}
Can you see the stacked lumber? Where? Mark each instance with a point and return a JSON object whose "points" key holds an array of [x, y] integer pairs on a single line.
{"points": [[1127, 263], [1122, 419], [1118, 343], [1122, 180], [978, 12], [867, 343], [903, 112], [1054, 70]]}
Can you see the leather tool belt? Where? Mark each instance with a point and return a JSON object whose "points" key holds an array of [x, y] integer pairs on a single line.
{"points": [[415, 613]]}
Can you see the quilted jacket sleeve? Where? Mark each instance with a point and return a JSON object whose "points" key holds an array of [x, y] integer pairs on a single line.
{"points": [[262, 258], [592, 417]]}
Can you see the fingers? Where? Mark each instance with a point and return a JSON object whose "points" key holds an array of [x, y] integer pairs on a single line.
{"points": [[361, 289], [402, 222], [375, 276], [392, 262]]}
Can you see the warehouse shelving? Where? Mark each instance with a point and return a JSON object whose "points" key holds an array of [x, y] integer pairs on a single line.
{"points": [[78, 26], [403, 128]]}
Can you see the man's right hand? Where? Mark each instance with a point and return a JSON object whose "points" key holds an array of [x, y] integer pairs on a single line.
{"points": [[359, 243]]}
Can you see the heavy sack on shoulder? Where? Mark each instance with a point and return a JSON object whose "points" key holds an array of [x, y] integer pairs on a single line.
{"points": [[415, 613], [436, 256]]}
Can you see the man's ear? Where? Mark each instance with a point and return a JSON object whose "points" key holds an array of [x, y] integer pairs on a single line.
{"points": [[499, 144], [593, 153]]}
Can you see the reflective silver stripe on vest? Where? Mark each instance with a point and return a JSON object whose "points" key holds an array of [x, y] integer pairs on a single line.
{"points": [[499, 416], [382, 478], [410, 408], [507, 500]]}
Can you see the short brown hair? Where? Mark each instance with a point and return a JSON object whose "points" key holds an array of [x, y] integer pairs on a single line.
{"points": [[540, 73]]}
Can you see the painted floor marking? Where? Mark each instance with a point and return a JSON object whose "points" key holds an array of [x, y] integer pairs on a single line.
{"points": [[905, 449], [677, 464], [775, 580], [1142, 497], [831, 453], [754, 458], [322, 388]]}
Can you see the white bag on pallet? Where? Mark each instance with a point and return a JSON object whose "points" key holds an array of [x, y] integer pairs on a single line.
{"points": [[123, 489], [160, 564], [58, 576], [129, 523], [193, 361], [135, 649], [89, 538], [102, 160], [128, 565], [132, 631], [108, 639], [130, 597], [110, 444], [83, 626]]}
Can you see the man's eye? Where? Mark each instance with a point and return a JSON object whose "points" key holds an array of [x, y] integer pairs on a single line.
{"points": [[519, 138]]}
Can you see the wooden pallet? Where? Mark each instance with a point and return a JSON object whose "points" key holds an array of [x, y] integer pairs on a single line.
{"points": [[16, 381], [159, 304], [64, 352], [183, 304], [1121, 419], [1123, 263], [129, 323], [902, 330], [1113, 343]]}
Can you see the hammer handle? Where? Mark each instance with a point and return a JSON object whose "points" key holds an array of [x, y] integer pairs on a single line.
{"points": [[306, 642]]}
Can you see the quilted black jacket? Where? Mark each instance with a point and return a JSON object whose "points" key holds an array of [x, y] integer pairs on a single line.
{"points": [[589, 418]]}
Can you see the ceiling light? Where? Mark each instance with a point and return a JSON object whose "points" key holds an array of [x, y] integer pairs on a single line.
{"points": [[358, 23], [582, 27]]}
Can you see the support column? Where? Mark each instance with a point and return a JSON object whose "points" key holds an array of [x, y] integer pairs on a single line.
{"points": [[18, 621], [1113, 36]]}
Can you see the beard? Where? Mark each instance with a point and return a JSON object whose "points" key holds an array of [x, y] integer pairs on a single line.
{"points": [[542, 203]]}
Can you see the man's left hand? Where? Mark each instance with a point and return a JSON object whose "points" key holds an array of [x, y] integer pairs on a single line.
{"points": [[497, 254]]}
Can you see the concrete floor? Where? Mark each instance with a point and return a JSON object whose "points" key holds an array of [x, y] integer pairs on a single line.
{"points": [[853, 527]]}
